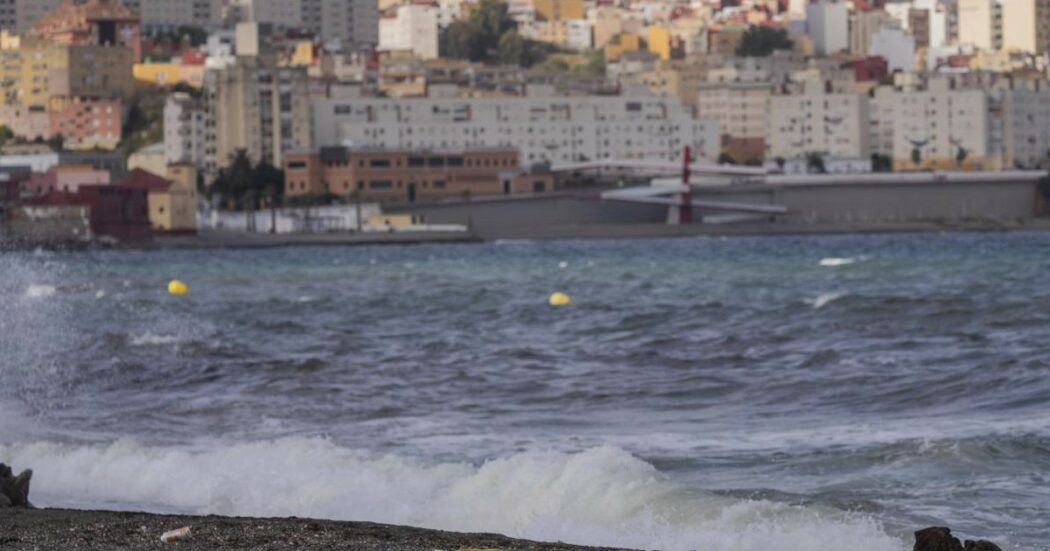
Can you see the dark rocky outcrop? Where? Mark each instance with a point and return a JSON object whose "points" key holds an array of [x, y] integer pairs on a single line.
{"points": [[939, 538], [14, 490]]}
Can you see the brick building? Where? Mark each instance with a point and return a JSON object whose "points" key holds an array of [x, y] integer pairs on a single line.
{"points": [[403, 176]]}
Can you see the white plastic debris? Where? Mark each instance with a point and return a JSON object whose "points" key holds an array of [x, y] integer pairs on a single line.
{"points": [[176, 535]]}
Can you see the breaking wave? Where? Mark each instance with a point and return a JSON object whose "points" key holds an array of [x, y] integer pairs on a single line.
{"points": [[601, 496]]}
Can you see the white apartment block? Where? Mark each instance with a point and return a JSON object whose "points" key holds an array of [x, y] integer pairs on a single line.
{"points": [[411, 27], [1026, 126], [895, 45], [544, 129], [833, 125], [186, 122], [938, 122], [171, 14], [827, 22], [741, 109]]}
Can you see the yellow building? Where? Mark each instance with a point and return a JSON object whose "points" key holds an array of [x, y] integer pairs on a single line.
{"points": [[622, 43], [172, 204], [169, 74], [303, 54], [558, 10], [659, 42]]}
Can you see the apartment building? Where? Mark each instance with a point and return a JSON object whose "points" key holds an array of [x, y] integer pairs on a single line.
{"points": [[19, 15], [981, 23], [381, 175], [827, 22], [1025, 109], [815, 121], [544, 128], [411, 27], [741, 110], [256, 106], [161, 15], [1026, 25], [353, 23], [186, 124], [944, 126]]}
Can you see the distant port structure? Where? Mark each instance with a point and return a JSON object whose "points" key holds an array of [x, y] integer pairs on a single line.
{"points": [[701, 197]]}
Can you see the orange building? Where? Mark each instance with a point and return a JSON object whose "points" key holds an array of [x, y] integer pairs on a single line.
{"points": [[92, 22], [409, 176], [84, 123]]}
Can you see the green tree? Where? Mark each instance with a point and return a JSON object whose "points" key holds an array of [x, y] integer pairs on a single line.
{"points": [[490, 35], [960, 156], [56, 142], [6, 135], [916, 157], [761, 41], [726, 159]]}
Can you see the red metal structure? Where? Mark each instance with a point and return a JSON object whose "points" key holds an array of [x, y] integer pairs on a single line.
{"points": [[685, 211]]}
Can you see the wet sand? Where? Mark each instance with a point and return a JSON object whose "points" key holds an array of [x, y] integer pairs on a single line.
{"points": [[45, 529]]}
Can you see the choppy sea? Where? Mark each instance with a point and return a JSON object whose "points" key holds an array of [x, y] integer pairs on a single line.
{"points": [[816, 393]]}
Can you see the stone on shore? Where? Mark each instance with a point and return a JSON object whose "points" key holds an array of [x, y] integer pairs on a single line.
{"points": [[939, 538], [14, 490]]}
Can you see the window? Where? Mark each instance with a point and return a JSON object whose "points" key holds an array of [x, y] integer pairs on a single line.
{"points": [[416, 161], [379, 163], [380, 184], [539, 186], [296, 165], [439, 184], [436, 161]]}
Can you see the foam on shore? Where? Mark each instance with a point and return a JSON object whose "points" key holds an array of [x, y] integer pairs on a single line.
{"points": [[601, 496]]}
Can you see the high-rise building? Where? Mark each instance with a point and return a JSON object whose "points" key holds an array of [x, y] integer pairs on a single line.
{"points": [[827, 22], [171, 14], [1026, 25], [980, 23], [353, 23], [186, 120]]}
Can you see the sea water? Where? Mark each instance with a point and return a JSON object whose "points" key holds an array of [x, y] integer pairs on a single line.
{"points": [[817, 393]]}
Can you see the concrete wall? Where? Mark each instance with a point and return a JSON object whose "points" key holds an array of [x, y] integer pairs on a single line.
{"points": [[850, 199], [518, 217], [892, 202]]}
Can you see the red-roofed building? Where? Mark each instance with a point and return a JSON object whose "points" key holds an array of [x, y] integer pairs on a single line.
{"points": [[116, 212], [172, 204], [92, 22]]}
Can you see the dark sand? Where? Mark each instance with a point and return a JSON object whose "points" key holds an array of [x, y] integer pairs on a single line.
{"points": [[61, 529]]}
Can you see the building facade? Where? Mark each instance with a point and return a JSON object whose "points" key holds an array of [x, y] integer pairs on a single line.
{"points": [[256, 106], [411, 27], [409, 176], [186, 123], [544, 129], [815, 122]]}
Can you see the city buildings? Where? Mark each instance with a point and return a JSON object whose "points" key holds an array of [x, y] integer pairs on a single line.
{"points": [[545, 128], [186, 123]]}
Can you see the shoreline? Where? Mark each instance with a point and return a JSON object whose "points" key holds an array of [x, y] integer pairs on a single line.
{"points": [[230, 240], [89, 529]]}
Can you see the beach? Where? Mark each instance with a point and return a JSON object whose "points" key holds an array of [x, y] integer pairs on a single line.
{"points": [[84, 530]]}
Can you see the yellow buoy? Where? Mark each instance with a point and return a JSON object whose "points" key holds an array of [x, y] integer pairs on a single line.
{"points": [[560, 299], [178, 288]]}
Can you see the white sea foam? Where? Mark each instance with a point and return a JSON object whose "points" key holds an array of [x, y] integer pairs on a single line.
{"points": [[832, 262], [36, 290], [602, 496], [823, 299], [152, 339]]}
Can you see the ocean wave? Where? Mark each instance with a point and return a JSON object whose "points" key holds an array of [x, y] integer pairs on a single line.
{"points": [[152, 339], [823, 299], [601, 496], [37, 290], [832, 262]]}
